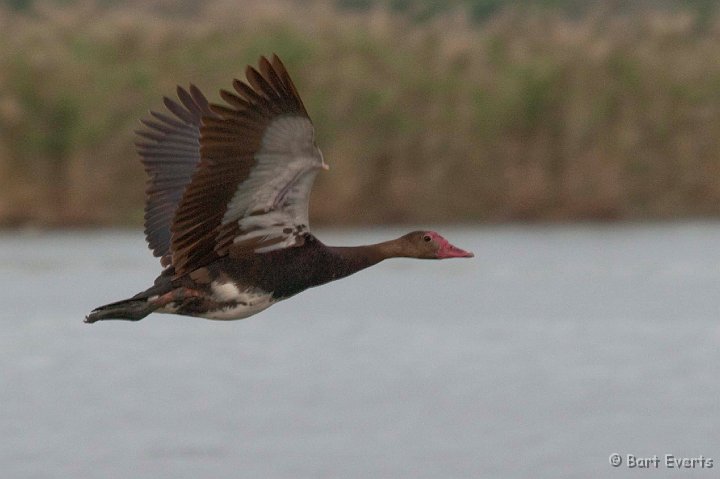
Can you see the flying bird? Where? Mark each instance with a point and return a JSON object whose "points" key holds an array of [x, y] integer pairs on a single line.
{"points": [[227, 205]]}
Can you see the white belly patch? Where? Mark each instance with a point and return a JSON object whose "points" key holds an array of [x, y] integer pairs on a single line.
{"points": [[222, 292], [243, 303]]}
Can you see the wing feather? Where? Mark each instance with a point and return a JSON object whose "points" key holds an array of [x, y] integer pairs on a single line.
{"points": [[169, 148], [249, 193]]}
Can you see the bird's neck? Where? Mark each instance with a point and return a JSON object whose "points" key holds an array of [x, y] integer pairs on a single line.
{"points": [[367, 255], [355, 258]]}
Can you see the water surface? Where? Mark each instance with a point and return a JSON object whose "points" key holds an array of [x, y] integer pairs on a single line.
{"points": [[552, 349]]}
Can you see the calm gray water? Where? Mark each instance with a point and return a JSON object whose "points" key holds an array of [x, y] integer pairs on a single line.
{"points": [[552, 349]]}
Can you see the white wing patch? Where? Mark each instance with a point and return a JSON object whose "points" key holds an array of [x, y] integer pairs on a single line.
{"points": [[271, 205]]}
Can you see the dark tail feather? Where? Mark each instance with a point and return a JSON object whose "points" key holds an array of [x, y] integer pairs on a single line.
{"points": [[128, 309]]}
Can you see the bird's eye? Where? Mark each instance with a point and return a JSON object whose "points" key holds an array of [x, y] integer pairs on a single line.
{"points": [[427, 238]]}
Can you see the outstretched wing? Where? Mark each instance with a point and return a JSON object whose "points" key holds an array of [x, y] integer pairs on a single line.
{"points": [[169, 148], [250, 191]]}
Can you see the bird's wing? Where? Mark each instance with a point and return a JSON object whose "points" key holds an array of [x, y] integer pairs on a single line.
{"points": [[169, 147], [250, 191]]}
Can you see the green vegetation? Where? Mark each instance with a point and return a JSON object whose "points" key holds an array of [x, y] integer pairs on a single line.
{"points": [[481, 10], [531, 114]]}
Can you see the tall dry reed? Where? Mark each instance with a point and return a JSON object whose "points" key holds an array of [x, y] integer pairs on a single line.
{"points": [[528, 116]]}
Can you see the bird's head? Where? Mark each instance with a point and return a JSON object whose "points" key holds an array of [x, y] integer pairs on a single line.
{"points": [[430, 245]]}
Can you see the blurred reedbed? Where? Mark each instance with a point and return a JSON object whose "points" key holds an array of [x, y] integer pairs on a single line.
{"points": [[530, 115]]}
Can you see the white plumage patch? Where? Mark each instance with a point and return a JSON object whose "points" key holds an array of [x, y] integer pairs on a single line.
{"points": [[271, 205], [224, 292], [243, 303]]}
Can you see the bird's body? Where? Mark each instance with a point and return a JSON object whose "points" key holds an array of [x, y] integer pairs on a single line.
{"points": [[227, 206]]}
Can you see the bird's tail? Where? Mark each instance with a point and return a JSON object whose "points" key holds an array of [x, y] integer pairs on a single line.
{"points": [[133, 309]]}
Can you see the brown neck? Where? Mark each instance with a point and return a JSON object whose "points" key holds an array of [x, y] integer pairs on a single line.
{"points": [[354, 258], [373, 253]]}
